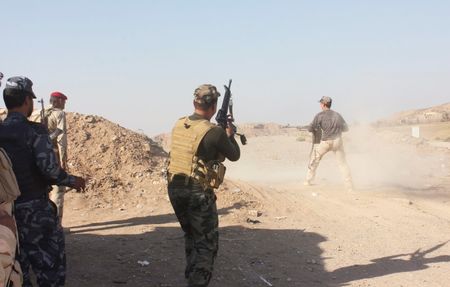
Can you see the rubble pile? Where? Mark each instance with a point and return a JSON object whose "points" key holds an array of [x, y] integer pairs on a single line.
{"points": [[114, 159]]}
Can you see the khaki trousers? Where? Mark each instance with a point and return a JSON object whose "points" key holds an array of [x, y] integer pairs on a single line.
{"points": [[57, 196], [320, 150]]}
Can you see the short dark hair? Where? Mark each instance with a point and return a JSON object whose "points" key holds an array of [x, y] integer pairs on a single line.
{"points": [[14, 98], [204, 106]]}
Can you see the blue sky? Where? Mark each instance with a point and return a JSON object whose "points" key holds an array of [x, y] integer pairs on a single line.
{"points": [[137, 63]]}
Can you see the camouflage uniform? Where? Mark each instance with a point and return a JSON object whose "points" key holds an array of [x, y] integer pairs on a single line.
{"points": [[55, 120], [194, 204], [36, 168], [56, 124], [196, 211], [42, 244]]}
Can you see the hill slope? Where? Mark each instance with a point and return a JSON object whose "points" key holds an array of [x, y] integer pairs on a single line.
{"points": [[434, 114]]}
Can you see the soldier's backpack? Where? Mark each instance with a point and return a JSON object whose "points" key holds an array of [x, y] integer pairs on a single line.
{"points": [[9, 190]]}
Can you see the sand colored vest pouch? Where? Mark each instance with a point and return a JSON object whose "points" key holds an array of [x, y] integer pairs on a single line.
{"points": [[186, 138], [210, 174]]}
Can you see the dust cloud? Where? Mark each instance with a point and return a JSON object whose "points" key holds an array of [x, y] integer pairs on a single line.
{"points": [[378, 158]]}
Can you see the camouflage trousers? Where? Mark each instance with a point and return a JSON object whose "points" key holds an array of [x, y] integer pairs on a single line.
{"points": [[320, 150], [41, 240], [57, 196], [196, 211]]}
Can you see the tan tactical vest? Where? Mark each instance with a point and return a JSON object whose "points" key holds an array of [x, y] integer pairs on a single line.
{"points": [[186, 137], [10, 272]]}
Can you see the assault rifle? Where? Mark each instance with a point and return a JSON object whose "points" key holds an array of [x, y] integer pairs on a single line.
{"points": [[316, 135], [224, 116], [42, 113], [300, 128]]}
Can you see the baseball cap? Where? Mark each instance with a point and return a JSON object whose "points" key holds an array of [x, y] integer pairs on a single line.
{"points": [[325, 100], [21, 84], [205, 93], [58, 95]]}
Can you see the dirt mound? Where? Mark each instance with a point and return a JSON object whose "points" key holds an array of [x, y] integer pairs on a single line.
{"points": [[434, 114], [163, 140], [115, 160]]}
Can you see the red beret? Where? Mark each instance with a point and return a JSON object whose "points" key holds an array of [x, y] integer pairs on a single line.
{"points": [[58, 95]]}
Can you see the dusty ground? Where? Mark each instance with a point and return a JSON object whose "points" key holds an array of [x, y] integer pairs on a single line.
{"points": [[392, 231]]}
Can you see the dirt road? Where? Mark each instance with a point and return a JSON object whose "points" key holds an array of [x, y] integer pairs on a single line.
{"points": [[393, 230]]}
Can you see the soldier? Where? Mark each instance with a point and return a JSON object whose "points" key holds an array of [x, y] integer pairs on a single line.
{"points": [[331, 125], [56, 124], [195, 169], [36, 169]]}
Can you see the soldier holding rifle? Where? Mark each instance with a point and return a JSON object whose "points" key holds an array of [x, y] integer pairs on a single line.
{"points": [[331, 124], [198, 149]]}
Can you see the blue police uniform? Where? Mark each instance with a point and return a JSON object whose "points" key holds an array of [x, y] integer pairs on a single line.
{"points": [[36, 168]]}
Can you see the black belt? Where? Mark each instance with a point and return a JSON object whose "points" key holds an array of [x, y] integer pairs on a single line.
{"points": [[181, 178]]}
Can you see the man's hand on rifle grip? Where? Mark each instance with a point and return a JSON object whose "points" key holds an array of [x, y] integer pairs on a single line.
{"points": [[231, 129]]}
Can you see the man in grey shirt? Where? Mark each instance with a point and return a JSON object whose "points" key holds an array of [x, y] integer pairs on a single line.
{"points": [[331, 124]]}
